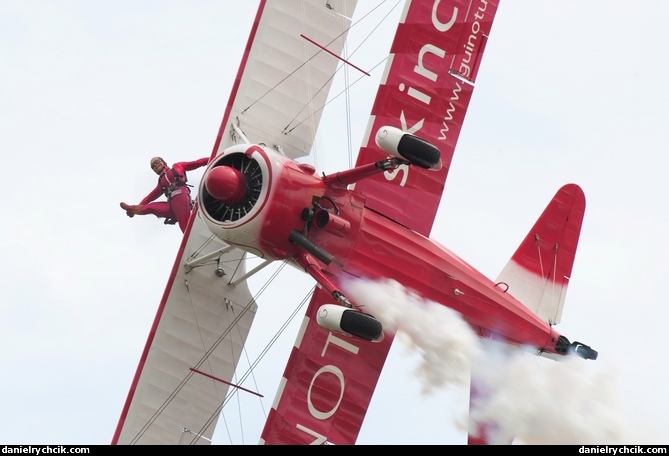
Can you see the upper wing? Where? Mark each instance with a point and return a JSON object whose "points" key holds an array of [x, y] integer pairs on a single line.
{"points": [[202, 321], [195, 341], [285, 77], [430, 77]]}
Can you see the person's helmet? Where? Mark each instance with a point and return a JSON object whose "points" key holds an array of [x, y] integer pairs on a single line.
{"points": [[155, 160]]}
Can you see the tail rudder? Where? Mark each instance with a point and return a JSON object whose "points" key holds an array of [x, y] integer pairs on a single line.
{"points": [[538, 273]]}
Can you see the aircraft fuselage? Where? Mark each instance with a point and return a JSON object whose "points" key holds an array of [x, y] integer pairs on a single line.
{"points": [[341, 239]]}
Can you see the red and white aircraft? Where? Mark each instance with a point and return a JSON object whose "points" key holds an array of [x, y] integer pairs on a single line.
{"points": [[370, 222]]}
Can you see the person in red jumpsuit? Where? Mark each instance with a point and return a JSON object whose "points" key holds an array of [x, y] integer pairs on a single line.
{"points": [[172, 184]]}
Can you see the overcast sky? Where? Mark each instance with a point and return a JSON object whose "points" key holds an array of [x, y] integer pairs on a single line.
{"points": [[568, 91]]}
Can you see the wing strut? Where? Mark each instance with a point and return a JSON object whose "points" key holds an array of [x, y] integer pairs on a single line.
{"points": [[210, 256]]}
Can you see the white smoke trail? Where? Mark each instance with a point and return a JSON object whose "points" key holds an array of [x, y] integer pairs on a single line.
{"points": [[531, 400], [445, 342], [539, 401]]}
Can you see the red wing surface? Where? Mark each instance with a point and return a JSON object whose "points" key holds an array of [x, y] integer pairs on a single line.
{"points": [[327, 385], [431, 72]]}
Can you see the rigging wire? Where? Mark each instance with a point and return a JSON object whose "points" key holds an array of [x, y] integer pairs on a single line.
{"points": [[343, 91], [549, 278], [345, 66], [252, 366], [200, 249], [349, 145], [225, 333], [305, 63], [240, 381], [259, 358], [554, 284], [288, 127], [202, 360]]}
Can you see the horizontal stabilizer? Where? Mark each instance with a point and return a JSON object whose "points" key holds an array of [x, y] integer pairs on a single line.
{"points": [[539, 271]]}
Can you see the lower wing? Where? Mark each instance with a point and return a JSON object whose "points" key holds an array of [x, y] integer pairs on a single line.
{"points": [[327, 384], [430, 76]]}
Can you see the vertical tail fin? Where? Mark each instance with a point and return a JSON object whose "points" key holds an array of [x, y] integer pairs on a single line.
{"points": [[537, 275], [538, 272]]}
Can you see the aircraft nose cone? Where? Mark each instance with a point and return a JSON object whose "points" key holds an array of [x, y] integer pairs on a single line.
{"points": [[226, 184]]}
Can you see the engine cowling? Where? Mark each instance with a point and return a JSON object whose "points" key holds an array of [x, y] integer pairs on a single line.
{"points": [[252, 197]]}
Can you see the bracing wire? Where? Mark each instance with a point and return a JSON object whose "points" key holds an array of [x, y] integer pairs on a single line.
{"points": [[347, 86], [252, 366], [291, 125], [202, 360]]}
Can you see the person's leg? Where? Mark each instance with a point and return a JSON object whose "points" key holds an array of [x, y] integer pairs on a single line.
{"points": [[181, 209], [131, 209], [160, 209]]}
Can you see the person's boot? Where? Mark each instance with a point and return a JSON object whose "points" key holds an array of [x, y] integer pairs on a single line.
{"points": [[131, 210]]}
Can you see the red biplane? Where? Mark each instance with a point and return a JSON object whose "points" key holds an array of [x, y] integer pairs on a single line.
{"points": [[370, 222]]}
